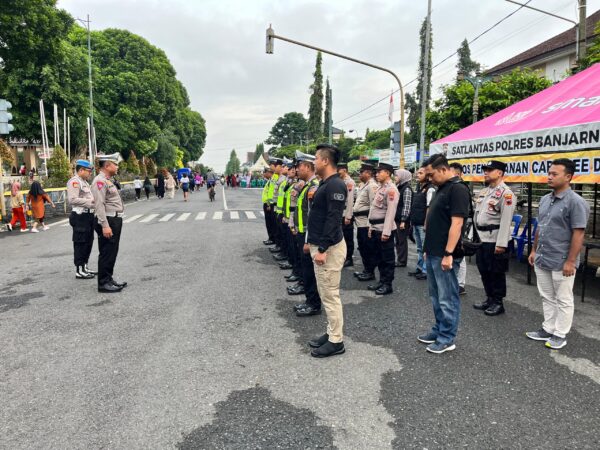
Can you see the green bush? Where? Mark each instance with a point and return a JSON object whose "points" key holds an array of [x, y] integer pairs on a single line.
{"points": [[59, 169]]}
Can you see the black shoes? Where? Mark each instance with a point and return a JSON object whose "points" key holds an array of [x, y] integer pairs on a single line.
{"points": [[285, 266], [279, 257], [82, 274], [385, 289], [421, 276], [328, 349], [494, 310], [275, 249], [292, 278], [366, 277], [268, 242], [483, 305], [348, 263], [295, 290], [374, 287], [121, 285], [462, 290], [316, 343], [400, 264], [415, 273], [109, 288], [88, 270], [308, 311], [300, 306]]}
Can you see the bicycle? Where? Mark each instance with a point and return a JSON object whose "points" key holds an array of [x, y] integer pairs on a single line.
{"points": [[211, 192]]}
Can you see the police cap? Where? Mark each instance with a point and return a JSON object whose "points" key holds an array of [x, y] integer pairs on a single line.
{"points": [[493, 164]]}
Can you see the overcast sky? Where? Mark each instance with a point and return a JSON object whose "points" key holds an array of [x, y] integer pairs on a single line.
{"points": [[218, 50]]}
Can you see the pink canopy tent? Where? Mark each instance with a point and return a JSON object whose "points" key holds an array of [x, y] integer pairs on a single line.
{"points": [[561, 121]]}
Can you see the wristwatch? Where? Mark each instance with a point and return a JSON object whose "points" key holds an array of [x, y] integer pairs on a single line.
{"points": [[321, 250], [447, 253]]}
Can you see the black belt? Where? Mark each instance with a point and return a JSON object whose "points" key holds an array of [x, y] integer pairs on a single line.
{"points": [[376, 221], [361, 213], [488, 227], [292, 208]]}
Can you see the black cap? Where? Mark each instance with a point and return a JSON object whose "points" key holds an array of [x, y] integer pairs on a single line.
{"points": [[342, 166], [365, 166], [495, 165], [385, 166], [267, 169]]}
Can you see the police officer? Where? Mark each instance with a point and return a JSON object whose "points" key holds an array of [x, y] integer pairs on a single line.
{"points": [[268, 173], [296, 253], [271, 197], [347, 221], [362, 206], [108, 223], [79, 196], [494, 210], [382, 220], [290, 243], [280, 199]]}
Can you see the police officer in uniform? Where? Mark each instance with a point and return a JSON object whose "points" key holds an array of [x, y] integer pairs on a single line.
{"points": [[382, 220], [291, 205], [79, 196], [285, 219], [271, 199], [362, 206], [280, 186], [268, 173], [494, 210], [108, 223], [347, 221]]}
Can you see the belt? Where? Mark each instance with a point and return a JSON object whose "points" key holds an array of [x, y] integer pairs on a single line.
{"points": [[376, 221], [488, 227], [79, 210], [361, 213], [114, 214]]}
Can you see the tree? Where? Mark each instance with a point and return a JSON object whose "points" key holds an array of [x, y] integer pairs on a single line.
{"points": [[6, 155], [289, 128], [59, 169], [260, 149], [233, 166], [315, 107], [166, 150], [454, 110], [133, 165], [378, 139], [327, 115], [593, 54], [465, 64], [150, 167]]}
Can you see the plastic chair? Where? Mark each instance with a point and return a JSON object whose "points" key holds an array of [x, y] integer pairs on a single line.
{"points": [[517, 218], [522, 238]]}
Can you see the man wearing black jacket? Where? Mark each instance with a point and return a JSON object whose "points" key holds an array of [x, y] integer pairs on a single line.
{"points": [[327, 248]]}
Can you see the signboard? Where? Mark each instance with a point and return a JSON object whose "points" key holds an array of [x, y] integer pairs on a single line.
{"points": [[389, 157], [410, 154]]}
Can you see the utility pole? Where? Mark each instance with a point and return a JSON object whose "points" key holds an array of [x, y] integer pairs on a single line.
{"points": [[92, 139], [581, 44], [330, 119], [425, 79]]}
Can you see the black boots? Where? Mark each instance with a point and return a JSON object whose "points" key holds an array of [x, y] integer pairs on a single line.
{"points": [[82, 274]]}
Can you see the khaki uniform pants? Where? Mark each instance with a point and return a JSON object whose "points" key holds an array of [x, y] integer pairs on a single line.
{"points": [[328, 284]]}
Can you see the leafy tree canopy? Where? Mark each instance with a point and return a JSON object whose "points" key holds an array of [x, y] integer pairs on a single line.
{"points": [[292, 126]]}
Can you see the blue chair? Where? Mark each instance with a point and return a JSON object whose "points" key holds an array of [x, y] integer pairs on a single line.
{"points": [[517, 218], [521, 240]]}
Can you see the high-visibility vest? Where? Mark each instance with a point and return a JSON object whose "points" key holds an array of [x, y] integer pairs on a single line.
{"points": [[280, 197], [299, 211], [288, 200], [265, 191], [271, 191]]}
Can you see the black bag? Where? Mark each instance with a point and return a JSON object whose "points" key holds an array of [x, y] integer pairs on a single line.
{"points": [[470, 239]]}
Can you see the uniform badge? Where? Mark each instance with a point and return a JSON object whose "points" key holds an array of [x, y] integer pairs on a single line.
{"points": [[350, 188], [311, 194], [498, 193], [391, 194], [339, 197], [508, 199], [100, 184], [75, 184]]}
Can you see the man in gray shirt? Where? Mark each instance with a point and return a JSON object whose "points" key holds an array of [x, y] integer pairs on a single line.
{"points": [[563, 216]]}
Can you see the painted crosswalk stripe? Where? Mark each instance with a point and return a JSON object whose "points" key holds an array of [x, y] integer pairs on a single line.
{"points": [[148, 218], [201, 216], [234, 215], [183, 217], [250, 215], [132, 218], [262, 213], [218, 215], [166, 218], [64, 223]]}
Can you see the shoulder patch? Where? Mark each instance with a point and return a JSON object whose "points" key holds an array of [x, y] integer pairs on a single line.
{"points": [[100, 184], [75, 184], [391, 194], [339, 197]]}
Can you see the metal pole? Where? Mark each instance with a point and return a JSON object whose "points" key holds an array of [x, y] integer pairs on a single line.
{"points": [[271, 34], [476, 101], [529, 214], [69, 138], [425, 79], [595, 210], [92, 137], [2, 202], [330, 120], [582, 33]]}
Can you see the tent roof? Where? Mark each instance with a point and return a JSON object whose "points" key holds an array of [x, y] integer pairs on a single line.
{"points": [[259, 165]]}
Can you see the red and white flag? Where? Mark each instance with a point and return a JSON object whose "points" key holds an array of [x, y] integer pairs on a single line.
{"points": [[391, 111]]}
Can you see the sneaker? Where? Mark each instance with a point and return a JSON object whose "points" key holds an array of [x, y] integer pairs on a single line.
{"points": [[24, 230], [9, 227], [428, 338], [461, 290], [35, 230], [440, 348], [45, 228], [556, 342], [539, 335]]}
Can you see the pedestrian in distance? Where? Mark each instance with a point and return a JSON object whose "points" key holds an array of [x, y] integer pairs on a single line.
{"points": [[327, 248], [137, 185], [169, 184], [403, 179], [160, 184], [108, 222], [563, 217], [418, 212], [147, 187], [36, 198], [185, 186], [443, 250], [81, 219], [17, 206]]}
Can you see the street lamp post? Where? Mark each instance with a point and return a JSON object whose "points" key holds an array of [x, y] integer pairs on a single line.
{"points": [[271, 36], [92, 129], [476, 82]]}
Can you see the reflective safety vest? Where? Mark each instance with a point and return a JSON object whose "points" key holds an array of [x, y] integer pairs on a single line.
{"points": [[280, 197], [265, 192], [288, 199], [271, 191], [299, 205]]}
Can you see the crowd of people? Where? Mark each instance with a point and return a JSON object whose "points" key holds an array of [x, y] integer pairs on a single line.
{"points": [[313, 210]]}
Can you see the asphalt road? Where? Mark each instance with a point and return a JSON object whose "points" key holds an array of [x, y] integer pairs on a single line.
{"points": [[202, 351]]}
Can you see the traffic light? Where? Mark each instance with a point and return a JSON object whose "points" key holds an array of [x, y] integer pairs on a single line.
{"points": [[270, 39], [5, 117]]}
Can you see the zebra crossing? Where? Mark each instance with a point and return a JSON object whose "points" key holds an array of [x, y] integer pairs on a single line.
{"points": [[230, 216]]}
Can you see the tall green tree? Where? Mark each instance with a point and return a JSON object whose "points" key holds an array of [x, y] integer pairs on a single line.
{"points": [[315, 107], [260, 149], [233, 166], [289, 128], [465, 64], [327, 116], [593, 52]]}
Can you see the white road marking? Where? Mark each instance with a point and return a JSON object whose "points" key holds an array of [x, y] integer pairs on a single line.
{"points": [[224, 199], [166, 218], [201, 215], [132, 218], [218, 215], [250, 215], [183, 217], [262, 213], [581, 366], [148, 218], [234, 215], [60, 222]]}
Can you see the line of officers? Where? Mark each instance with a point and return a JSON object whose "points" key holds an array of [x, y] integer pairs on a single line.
{"points": [[373, 208]]}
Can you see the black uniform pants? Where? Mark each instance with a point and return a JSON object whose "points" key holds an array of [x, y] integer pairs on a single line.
{"points": [[108, 249], [269, 221], [401, 246], [308, 274], [348, 231], [282, 235], [384, 257], [294, 254], [83, 236], [492, 269], [365, 248]]}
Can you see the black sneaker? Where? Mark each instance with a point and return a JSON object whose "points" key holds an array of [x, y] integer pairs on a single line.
{"points": [[461, 290], [316, 343], [328, 349]]}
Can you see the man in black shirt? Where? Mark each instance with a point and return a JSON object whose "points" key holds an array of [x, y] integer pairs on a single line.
{"points": [[443, 228], [327, 248]]}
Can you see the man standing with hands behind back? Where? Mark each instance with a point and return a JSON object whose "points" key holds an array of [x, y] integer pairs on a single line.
{"points": [[328, 248]]}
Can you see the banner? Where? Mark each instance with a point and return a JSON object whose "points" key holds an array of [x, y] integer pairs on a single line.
{"points": [[534, 168]]}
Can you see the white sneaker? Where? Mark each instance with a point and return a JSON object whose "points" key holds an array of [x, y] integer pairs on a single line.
{"points": [[9, 226], [45, 228], [24, 230], [35, 230]]}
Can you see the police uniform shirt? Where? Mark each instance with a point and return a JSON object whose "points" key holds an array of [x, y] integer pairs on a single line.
{"points": [[350, 185], [495, 206], [384, 207], [79, 193], [106, 198], [364, 199], [296, 189]]}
